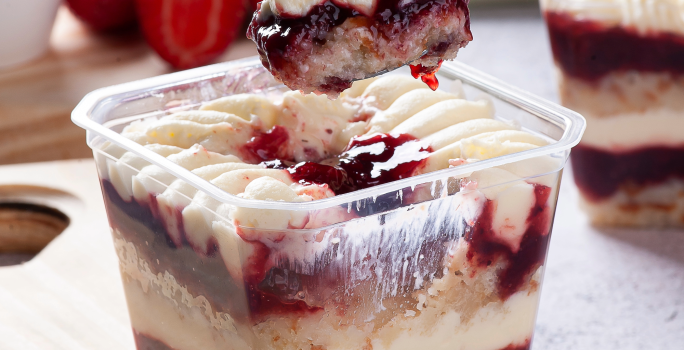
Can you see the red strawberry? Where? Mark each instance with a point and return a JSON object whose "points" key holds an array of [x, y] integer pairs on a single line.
{"points": [[190, 33], [104, 15]]}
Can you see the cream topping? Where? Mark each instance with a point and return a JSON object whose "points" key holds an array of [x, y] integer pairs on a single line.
{"points": [[643, 15], [302, 7], [628, 131]]}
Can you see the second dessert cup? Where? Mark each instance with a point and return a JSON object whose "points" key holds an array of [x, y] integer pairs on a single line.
{"points": [[621, 65], [451, 259]]}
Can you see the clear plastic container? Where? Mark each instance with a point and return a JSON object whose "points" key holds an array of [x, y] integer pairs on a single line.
{"points": [[415, 263]]}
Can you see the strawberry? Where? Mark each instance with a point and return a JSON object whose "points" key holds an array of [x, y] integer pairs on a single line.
{"points": [[104, 15], [190, 33]]}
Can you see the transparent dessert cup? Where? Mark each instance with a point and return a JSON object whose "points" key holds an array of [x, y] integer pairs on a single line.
{"points": [[394, 266], [621, 65]]}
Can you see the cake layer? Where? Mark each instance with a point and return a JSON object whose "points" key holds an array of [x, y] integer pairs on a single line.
{"points": [[629, 93], [497, 326], [653, 206], [600, 174], [589, 49]]}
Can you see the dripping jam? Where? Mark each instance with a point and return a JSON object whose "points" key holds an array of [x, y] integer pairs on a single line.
{"points": [[426, 74]]}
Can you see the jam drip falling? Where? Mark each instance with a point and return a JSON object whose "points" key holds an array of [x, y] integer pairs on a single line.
{"points": [[366, 162], [426, 74]]}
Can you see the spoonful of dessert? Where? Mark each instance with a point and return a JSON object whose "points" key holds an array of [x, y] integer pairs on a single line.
{"points": [[322, 46]]}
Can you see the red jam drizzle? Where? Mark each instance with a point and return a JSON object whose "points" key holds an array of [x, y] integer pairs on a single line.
{"points": [[268, 146], [484, 249], [366, 162], [588, 49], [276, 35], [426, 74], [600, 174]]}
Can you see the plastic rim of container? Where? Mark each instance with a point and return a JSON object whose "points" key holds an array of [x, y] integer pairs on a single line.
{"points": [[572, 124]]}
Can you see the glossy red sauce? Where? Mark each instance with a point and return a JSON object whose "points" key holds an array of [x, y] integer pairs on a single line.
{"points": [[589, 50], [268, 146], [484, 249], [599, 174], [276, 36], [366, 162], [426, 74]]}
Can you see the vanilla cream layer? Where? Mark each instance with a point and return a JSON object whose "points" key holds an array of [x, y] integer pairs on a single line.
{"points": [[643, 15], [659, 127], [619, 93]]}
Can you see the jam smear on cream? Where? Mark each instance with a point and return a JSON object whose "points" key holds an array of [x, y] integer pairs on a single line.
{"points": [[367, 161]]}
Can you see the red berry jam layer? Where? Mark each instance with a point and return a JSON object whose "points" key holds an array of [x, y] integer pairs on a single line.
{"points": [[599, 174], [484, 250], [589, 50]]}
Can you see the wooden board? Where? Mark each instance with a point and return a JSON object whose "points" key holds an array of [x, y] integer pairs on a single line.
{"points": [[36, 99], [70, 295]]}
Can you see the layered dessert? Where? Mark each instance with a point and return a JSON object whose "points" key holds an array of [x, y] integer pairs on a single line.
{"points": [[621, 65], [322, 46], [454, 263]]}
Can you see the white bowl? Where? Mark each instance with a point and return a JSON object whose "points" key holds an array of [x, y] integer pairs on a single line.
{"points": [[25, 27]]}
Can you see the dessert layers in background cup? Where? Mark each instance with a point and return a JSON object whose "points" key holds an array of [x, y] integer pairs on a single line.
{"points": [[247, 216], [621, 65]]}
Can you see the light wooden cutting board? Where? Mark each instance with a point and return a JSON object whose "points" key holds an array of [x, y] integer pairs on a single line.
{"points": [[70, 295]]}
